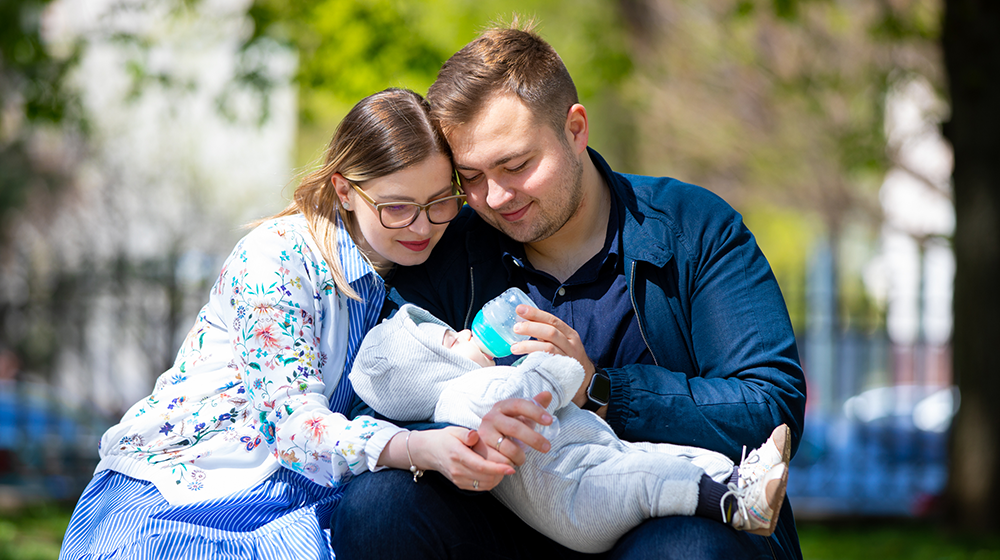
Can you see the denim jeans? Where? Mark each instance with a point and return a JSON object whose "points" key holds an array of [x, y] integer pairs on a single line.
{"points": [[387, 515]]}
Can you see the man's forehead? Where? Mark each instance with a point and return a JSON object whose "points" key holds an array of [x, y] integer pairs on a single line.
{"points": [[502, 130]]}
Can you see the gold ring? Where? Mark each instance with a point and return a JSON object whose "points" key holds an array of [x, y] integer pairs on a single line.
{"points": [[475, 485], [499, 442]]}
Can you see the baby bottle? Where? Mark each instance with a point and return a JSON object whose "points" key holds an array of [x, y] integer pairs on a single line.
{"points": [[493, 331], [493, 327]]}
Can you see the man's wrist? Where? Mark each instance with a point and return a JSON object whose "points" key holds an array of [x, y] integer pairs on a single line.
{"points": [[598, 392]]}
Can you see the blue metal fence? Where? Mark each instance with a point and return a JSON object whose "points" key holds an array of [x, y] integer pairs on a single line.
{"points": [[48, 450]]}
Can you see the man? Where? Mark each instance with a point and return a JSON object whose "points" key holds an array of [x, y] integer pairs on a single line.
{"points": [[655, 286]]}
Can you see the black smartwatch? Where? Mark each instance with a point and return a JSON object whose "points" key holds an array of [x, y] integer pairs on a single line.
{"points": [[599, 391]]}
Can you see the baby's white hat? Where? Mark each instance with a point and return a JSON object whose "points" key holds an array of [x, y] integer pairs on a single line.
{"points": [[405, 355]]}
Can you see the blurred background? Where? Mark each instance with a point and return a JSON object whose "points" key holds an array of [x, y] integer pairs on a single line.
{"points": [[137, 137]]}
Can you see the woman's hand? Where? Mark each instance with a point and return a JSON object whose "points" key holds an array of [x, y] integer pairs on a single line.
{"points": [[510, 420], [452, 452]]}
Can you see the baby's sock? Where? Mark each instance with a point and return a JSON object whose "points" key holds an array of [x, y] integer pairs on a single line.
{"points": [[710, 495]]}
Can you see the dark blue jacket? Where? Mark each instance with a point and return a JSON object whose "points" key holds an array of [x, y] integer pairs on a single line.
{"points": [[709, 308]]}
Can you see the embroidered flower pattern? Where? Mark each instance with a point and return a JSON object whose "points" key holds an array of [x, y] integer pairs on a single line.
{"points": [[250, 382]]}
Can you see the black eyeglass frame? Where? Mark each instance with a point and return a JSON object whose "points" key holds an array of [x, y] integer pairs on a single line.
{"points": [[378, 206]]}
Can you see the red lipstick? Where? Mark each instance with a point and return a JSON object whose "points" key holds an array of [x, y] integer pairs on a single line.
{"points": [[416, 246]]}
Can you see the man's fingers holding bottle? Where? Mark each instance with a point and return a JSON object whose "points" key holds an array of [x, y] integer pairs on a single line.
{"points": [[551, 334]]}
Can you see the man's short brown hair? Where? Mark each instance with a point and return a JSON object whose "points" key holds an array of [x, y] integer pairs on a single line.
{"points": [[503, 61]]}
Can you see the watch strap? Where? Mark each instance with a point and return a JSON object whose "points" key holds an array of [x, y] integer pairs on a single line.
{"points": [[593, 404]]}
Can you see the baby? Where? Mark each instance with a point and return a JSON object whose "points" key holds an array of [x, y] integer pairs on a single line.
{"points": [[591, 487]]}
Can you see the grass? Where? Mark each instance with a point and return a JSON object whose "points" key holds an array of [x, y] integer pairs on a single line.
{"points": [[892, 539], [35, 533]]}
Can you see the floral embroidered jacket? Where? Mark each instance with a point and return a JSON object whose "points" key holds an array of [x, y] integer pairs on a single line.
{"points": [[255, 380]]}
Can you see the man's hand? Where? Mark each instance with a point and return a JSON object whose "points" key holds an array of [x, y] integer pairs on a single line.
{"points": [[551, 335], [554, 336]]}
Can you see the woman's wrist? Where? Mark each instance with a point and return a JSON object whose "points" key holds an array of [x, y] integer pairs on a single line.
{"points": [[406, 451], [416, 472], [394, 453]]}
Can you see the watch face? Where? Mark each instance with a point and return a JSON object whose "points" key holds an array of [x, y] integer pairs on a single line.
{"points": [[600, 388]]}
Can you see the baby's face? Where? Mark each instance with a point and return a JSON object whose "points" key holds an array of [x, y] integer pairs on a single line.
{"points": [[461, 342]]}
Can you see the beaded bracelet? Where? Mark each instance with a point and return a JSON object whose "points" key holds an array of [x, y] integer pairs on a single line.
{"points": [[417, 473]]}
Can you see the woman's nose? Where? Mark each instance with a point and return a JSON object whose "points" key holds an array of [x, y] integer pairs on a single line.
{"points": [[422, 225]]}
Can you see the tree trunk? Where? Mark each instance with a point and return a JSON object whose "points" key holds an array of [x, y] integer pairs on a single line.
{"points": [[971, 42]]}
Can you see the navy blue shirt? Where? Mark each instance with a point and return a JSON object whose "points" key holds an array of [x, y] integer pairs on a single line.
{"points": [[594, 300]]}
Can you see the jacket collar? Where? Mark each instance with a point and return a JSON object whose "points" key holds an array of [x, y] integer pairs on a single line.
{"points": [[642, 231]]}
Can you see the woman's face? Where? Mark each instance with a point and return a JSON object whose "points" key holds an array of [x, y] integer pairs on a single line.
{"points": [[421, 183]]}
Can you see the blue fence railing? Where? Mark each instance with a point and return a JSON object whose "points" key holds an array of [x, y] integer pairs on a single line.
{"points": [[48, 450], [845, 467]]}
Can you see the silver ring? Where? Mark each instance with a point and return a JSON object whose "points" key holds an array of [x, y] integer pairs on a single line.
{"points": [[475, 485], [499, 442]]}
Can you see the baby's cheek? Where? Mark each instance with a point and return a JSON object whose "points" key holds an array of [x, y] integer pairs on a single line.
{"points": [[485, 361]]}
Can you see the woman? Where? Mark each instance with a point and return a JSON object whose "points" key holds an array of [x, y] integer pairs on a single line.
{"points": [[242, 448]]}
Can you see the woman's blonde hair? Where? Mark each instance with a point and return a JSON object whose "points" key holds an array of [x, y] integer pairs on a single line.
{"points": [[384, 133]]}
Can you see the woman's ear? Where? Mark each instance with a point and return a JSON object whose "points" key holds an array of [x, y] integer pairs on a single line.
{"points": [[343, 189]]}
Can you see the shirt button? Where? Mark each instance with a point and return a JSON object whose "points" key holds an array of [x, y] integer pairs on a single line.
{"points": [[562, 291]]}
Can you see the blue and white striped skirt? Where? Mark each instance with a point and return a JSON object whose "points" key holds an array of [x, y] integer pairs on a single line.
{"points": [[284, 517]]}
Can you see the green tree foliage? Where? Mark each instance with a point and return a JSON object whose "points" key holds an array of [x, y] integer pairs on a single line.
{"points": [[101, 224], [351, 48], [34, 98], [778, 106]]}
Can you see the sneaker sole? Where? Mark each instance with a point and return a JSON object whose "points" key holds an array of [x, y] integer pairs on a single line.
{"points": [[779, 496], [786, 450], [786, 454]]}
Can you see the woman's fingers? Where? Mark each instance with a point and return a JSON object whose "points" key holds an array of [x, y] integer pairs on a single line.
{"points": [[543, 400], [505, 424], [465, 467], [478, 460]]}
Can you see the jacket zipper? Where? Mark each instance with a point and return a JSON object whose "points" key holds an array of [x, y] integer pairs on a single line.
{"points": [[638, 318], [472, 299]]}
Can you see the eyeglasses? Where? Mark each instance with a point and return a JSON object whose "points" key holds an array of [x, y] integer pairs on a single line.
{"points": [[398, 215]]}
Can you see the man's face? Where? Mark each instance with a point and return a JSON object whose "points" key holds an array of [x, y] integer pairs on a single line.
{"points": [[518, 173]]}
